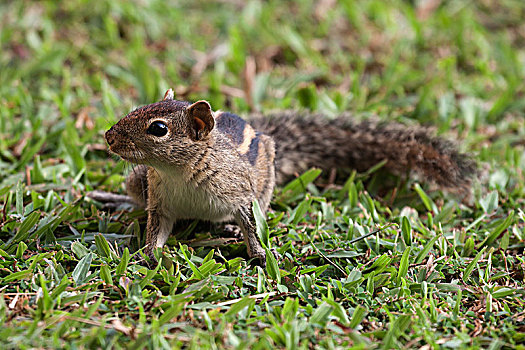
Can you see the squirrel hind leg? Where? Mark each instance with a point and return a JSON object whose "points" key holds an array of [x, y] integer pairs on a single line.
{"points": [[232, 231], [110, 200], [137, 185]]}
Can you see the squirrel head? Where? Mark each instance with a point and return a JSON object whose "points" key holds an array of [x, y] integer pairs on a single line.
{"points": [[166, 132]]}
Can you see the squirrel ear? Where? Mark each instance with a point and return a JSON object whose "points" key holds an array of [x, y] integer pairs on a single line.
{"points": [[169, 95], [201, 116]]}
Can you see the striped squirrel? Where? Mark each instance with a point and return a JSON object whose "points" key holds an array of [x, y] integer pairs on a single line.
{"points": [[194, 163]]}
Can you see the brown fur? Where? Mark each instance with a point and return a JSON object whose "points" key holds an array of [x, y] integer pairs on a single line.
{"points": [[212, 166]]}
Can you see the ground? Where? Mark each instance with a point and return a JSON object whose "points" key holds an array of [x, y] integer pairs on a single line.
{"points": [[442, 271]]}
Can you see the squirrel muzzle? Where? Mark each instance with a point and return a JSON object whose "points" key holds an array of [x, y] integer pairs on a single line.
{"points": [[110, 137], [114, 138]]}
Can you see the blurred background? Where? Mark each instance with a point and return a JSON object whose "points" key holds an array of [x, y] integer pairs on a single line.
{"points": [[69, 69]]}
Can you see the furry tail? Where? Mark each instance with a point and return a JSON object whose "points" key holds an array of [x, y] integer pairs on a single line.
{"points": [[309, 141]]}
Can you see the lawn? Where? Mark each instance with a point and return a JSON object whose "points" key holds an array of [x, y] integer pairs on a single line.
{"points": [[442, 270]]}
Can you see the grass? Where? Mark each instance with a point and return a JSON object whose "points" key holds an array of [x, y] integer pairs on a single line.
{"points": [[449, 273]]}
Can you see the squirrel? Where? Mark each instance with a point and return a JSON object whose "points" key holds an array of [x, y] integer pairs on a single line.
{"points": [[196, 163]]}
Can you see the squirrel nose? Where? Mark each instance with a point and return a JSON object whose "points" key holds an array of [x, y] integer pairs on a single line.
{"points": [[110, 136]]}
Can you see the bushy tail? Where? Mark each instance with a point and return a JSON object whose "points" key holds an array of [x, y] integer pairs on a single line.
{"points": [[309, 141]]}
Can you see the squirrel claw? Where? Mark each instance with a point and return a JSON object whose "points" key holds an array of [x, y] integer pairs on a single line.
{"points": [[148, 260], [276, 254]]}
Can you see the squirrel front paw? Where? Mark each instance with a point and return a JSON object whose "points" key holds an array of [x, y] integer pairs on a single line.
{"points": [[259, 257]]}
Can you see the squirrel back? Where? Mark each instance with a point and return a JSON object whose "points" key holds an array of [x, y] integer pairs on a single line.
{"points": [[303, 141]]}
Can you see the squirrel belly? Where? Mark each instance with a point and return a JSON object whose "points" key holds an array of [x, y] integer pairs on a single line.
{"points": [[194, 163], [179, 199]]}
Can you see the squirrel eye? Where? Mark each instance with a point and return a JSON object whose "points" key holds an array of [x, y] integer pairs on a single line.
{"points": [[157, 129]]}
